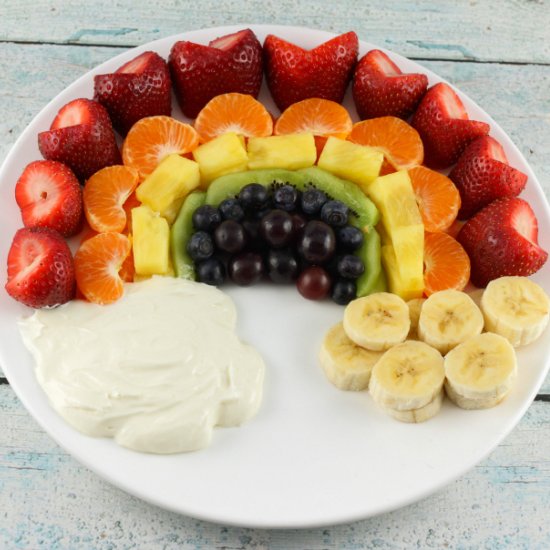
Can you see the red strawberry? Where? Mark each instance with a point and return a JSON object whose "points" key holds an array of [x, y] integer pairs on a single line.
{"points": [[49, 195], [482, 174], [502, 239], [138, 89], [40, 268], [82, 137], [294, 74], [232, 63], [381, 89], [443, 125]]}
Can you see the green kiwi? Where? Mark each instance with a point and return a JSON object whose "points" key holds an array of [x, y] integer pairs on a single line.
{"points": [[373, 279]]}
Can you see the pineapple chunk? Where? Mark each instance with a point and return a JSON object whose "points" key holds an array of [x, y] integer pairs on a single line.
{"points": [[151, 240], [408, 246], [407, 289], [222, 155], [290, 152], [350, 161], [172, 180]]}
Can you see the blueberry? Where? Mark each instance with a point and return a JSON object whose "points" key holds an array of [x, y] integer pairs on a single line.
{"points": [[231, 209], [211, 272], [344, 291], [335, 213], [200, 246], [349, 237], [206, 218], [312, 201], [254, 196], [350, 266], [285, 198]]}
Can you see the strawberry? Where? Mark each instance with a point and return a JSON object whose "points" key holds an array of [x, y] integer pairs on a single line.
{"points": [[381, 89], [40, 268], [443, 125], [502, 239], [294, 74], [232, 63], [49, 195], [482, 174], [138, 89], [82, 137]]}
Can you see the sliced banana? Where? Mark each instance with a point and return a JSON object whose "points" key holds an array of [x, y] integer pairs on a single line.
{"points": [[481, 371], [347, 365], [378, 321], [407, 377], [516, 308], [415, 306], [448, 318], [418, 415]]}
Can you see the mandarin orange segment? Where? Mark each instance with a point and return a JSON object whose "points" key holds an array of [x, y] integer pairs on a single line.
{"points": [[399, 141], [437, 197], [97, 264], [446, 264], [233, 112], [104, 196], [153, 138], [320, 117], [131, 202]]}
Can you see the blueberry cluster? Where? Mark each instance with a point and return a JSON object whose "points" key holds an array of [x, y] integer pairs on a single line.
{"points": [[285, 235]]}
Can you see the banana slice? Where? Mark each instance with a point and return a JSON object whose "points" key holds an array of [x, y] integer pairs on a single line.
{"points": [[448, 318], [481, 371], [378, 321], [516, 308], [407, 377], [347, 365], [415, 305], [418, 415]]}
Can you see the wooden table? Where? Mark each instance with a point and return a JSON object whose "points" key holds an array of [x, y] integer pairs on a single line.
{"points": [[496, 51]]}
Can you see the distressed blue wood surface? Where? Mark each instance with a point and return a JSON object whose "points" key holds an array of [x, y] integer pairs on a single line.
{"points": [[47, 500]]}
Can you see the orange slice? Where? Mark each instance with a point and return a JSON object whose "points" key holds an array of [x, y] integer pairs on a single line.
{"points": [[104, 196], [152, 138], [320, 117], [239, 113], [400, 142], [446, 264], [437, 197], [97, 263], [131, 202]]}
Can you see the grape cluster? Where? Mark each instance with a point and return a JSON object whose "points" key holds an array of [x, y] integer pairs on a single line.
{"points": [[284, 235]]}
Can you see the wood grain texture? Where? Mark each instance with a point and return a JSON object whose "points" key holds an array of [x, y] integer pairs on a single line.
{"points": [[487, 30], [48, 500]]}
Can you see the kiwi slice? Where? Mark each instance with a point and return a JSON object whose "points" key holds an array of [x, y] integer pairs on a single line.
{"points": [[373, 279], [181, 232]]}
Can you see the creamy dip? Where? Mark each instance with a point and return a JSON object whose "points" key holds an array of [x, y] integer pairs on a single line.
{"points": [[156, 370]]}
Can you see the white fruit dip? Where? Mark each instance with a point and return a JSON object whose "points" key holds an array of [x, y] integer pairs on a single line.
{"points": [[156, 370]]}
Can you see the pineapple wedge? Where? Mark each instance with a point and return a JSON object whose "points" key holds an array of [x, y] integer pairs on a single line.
{"points": [[171, 181], [222, 155], [151, 241], [407, 289], [290, 152], [350, 161]]}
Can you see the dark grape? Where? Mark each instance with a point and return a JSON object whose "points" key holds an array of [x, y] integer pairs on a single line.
{"points": [[344, 291], [349, 237], [298, 222], [230, 236], [282, 266], [312, 201], [335, 213], [276, 228], [253, 196], [246, 268], [286, 198], [317, 243], [350, 266], [231, 209], [200, 246], [211, 271], [253, 238], [314, 283], [206, 218]]}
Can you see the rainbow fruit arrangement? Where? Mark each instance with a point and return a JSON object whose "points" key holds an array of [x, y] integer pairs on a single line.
{"points": [[343, 209]]}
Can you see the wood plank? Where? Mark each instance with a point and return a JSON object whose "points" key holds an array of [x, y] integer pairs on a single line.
{"points": [[48, 500], [492, 30]]}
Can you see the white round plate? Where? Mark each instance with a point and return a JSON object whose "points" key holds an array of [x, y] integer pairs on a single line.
{"points": [[313, 455]]}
